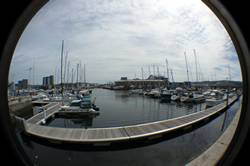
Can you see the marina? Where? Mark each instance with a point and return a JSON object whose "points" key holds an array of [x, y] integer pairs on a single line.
{"points": [[33, 127], [115, 86], [183, 148]]}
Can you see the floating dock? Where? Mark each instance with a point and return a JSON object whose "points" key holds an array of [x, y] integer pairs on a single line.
{"points": [[113, 134]]}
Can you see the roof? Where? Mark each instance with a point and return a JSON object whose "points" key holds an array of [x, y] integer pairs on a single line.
{"points": [[75, 101], [141, 81]]}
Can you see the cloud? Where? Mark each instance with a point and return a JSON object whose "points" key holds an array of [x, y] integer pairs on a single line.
{"points": [[117, 38]]}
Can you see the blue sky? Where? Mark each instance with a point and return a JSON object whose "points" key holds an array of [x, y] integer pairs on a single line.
{"points": [[118, 38]]}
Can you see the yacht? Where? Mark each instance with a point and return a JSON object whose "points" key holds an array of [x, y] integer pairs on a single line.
{"points": [[83, 104], [198, 98], [154, 93], [166, 94], [216, 97], [136, 91], [186, 98], [175, 97]]}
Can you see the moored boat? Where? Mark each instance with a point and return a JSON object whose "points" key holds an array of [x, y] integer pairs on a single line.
{"points": [[166, 94], [83, 104], [216, 97], [155, 93], [175, 98]]}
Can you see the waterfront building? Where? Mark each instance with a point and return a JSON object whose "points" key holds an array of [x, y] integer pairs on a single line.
{"points": [[48, 82], [22, 84], [149, 83]]}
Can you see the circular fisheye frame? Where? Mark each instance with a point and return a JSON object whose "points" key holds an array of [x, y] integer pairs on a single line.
{"points": [[125, 83]]}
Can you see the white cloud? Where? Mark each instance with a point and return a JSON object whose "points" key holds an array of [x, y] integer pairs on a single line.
{"points": [[117, 38]]}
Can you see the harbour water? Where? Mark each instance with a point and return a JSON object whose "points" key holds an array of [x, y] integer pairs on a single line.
{"points": [[118, 108], [175, 151]]}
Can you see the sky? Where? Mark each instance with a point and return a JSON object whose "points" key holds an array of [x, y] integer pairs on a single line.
{"points": [[117, 38]]}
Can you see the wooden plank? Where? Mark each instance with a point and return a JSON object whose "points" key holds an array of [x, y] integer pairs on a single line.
{"points": [[98, 135], [105, 134], [51, 109]]}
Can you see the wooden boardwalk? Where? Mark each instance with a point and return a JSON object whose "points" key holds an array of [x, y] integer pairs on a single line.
{"points": [[124, 133], [50, 109]]}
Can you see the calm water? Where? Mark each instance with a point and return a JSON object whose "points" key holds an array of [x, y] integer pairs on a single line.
{"points": [[117, 108], [176, 151]]}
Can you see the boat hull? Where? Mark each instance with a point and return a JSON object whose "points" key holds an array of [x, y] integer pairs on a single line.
{"points": [[211, 103]]}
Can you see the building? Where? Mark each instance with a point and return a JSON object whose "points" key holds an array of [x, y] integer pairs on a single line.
{"points": [[149, 83], [48, 82], [22, 84], [124, 78]]}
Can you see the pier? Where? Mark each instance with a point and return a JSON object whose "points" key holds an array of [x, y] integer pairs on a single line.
{"points": [[49, 109], [112, 134]]}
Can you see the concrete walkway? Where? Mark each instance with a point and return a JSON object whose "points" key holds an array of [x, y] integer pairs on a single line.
{"points": [[212, 155]]}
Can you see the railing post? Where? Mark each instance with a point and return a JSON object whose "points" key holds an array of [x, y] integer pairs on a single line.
{"points": [[44, 116], [227, 99]]}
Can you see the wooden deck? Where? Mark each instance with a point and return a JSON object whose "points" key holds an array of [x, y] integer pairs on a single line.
{"points": [[50, 109], [108, 135]]}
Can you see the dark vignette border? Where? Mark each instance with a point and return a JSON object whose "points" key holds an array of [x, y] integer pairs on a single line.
{"points": [[243, 54], [5, 60], [214, 5]]}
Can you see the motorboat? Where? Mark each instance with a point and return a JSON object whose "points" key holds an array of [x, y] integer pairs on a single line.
{"points": [[166, 94], [175, 97], [82, 104], [186, 98], [213, 101], [40, 96], [154, 93], [198, 98], [216, 97], [136, 91]]}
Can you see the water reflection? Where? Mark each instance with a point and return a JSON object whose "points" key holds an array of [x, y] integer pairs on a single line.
{"points": [[118, 108], [175, 151], [85, 121]]}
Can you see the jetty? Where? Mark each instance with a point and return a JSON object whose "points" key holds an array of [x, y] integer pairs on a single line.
{"points": [[108, 135]]}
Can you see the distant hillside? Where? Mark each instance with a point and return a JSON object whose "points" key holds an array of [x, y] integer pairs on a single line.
{"points": [[220, 83]]}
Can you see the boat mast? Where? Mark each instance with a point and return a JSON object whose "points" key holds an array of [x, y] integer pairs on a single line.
{"points": [[172, 75], [72, 78], [154, 70], [149, 72], [68, 72], [200, 71], [186, 65], [142, 77], [80, 74], [84, 68], [65, 67], [62, 68], [158, 71], [167, 68], [196, 65], [77, 68], [55, 74], [33, 81]]}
